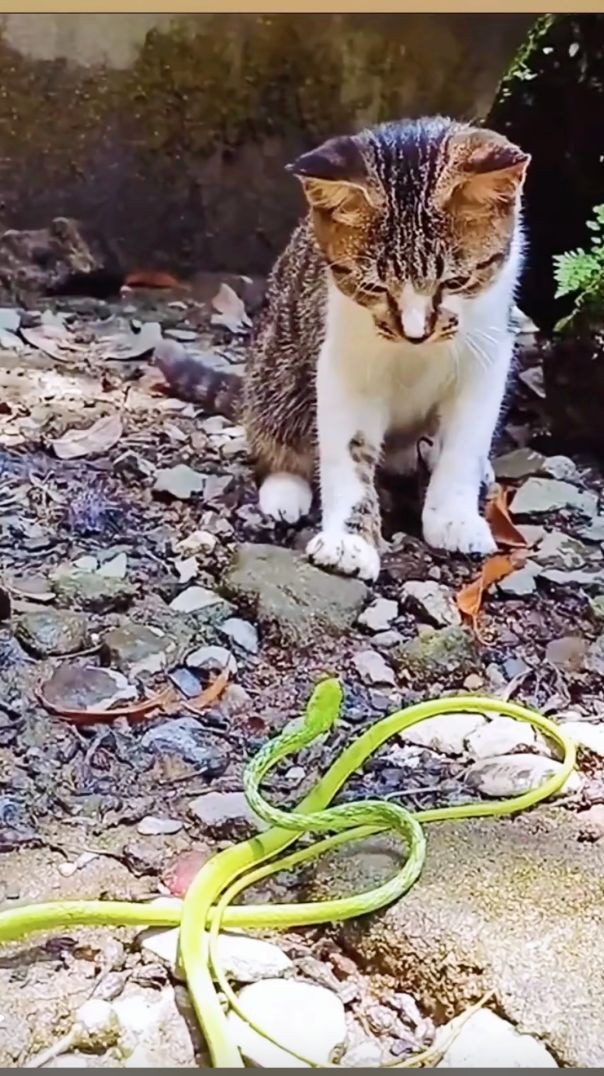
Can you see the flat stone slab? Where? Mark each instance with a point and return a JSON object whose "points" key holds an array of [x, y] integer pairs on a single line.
{"points": [[516, 906]]}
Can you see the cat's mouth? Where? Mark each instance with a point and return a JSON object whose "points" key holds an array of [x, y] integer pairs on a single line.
{"points": [[444, 327]]}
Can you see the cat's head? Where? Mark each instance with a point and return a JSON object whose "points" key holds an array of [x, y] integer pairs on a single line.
{"points": [[415, 219]]}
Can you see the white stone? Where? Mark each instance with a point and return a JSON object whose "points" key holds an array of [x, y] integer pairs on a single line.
{"points": [[486, 1041], [245, 959], [242, 633], [379, 615], [586, 735], [560, 467], [513, 775], [187, 569], [212, 657], [539, 495], [433, 599], [151, 826], [193, 599], [445, 733], [500, 736], [303, 1017], [115, 568], [372, 668], [180, 481]]}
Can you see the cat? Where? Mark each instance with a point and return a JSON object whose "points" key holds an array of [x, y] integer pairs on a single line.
{"points": [[387, 320]]}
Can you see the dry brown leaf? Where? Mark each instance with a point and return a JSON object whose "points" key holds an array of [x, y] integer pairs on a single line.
{"points": [[210, 694], [470, 597], [160, 701], [102, 435], [504, 530]]}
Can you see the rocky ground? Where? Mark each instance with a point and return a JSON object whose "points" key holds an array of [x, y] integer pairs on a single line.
{"points": [[136, 570]]}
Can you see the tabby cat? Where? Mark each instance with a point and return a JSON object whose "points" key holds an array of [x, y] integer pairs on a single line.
{"points": [[387, 320]]}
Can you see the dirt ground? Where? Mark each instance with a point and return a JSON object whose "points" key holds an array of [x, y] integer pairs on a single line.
{"points": [[115, 585]]}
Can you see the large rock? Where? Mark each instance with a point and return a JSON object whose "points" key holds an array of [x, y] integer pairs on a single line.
{"points": [[292, 599], [510, 905]]}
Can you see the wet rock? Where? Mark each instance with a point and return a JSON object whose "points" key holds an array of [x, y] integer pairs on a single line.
{"points": [[435, 652], [520, 463], [289, 597], [445, 733], [185, 738], [539, 495], [225, 814], [595, 656], [52, 632], [567, 653], [73, 687], [92, 591], [180, 481], [520, 583], [487, 1041], [372, 668], [587, 734], [137, 648], [303, 1017], [432, 600], [379, 615], [194, 599], [513, 775], [242, 633], [212, 658], [500, 736]]}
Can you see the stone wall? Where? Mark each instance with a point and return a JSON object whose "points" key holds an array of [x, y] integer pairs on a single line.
{"points": [[170, 133]]}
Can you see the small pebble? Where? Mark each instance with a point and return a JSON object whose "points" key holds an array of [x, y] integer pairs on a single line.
{"points": [[150, 826]]}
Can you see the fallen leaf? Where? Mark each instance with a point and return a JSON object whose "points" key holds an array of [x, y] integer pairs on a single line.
{"points": [[135, 710], [151, 278], [54, 340], [230, 309], [131, 345], [504, 530], [470, 597], [102, 435], [210, 694]]}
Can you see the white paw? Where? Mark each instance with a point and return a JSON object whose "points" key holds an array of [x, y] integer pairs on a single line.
{"points": [[448, 529], [285, 497], [348, 554]]}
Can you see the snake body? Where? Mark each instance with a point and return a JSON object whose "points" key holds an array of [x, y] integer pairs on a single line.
{"points": [[206, 907]]}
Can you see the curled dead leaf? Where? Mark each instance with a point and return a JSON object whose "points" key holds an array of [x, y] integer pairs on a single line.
{"points": [[504, 530], [160, 701], [101, 436], [210, 694], [494, 569], [151, 278], [230, 310]]}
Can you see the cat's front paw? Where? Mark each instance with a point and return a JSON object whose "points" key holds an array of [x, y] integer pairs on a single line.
{"points": [[448, 529], [285, 497], [349, 554]]}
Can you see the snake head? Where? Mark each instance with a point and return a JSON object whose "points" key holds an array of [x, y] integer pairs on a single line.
{"points": [[323, 707]]}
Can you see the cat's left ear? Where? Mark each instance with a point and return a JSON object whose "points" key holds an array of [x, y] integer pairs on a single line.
{"points": [[335, 179], [488, 169]]}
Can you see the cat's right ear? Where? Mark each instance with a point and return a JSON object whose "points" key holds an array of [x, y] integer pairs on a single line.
{"points": [[335, 180]]}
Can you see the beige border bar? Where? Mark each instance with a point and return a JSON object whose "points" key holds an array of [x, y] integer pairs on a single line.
{"points": [[536, 7]]}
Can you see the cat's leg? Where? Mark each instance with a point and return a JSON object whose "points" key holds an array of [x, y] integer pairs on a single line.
{"points": [[451, 519], [351, 429], [285, 492]]}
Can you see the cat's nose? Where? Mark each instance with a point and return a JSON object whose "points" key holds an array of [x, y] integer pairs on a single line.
{"points": [[416, 314]]}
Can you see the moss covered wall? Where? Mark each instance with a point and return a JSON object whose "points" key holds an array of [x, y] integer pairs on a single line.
{"points": [[170, 133]]}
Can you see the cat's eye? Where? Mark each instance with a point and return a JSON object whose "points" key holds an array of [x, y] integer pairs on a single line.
{"points": [[457, 283]]}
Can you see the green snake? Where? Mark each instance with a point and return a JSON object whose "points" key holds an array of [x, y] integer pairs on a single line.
{"points": [[207, 905]]}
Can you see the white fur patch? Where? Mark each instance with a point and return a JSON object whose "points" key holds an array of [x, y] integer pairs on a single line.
{"points": [[415, 310], [349, 554], [457, 532], [285, 497]]}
